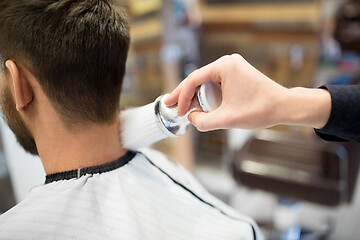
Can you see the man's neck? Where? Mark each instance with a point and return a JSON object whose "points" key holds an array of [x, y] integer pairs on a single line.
{"points": [[63, 150]]}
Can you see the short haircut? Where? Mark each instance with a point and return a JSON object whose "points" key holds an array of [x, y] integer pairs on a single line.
{"points": [[77, 49]]}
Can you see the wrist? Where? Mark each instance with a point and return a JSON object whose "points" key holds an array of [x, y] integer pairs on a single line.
{"points": [[305, 107]]}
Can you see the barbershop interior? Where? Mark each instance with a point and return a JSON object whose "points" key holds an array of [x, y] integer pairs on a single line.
{"points": [[292, 183]]}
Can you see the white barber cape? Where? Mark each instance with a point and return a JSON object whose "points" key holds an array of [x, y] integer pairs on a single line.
{"points": [[149, 197]]}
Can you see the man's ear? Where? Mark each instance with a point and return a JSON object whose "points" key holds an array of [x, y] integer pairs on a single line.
{"points": [[23, 93]]}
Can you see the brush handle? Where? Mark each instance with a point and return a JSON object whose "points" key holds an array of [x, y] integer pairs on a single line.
{"points": [[208, 98], [168, 120]]}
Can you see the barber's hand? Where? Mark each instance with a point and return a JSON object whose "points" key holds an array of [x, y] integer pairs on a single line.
{"points": [[250, 100], [249, 97]]}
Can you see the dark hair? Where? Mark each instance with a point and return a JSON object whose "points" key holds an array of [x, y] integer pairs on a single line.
{"points": [[77, 49]]}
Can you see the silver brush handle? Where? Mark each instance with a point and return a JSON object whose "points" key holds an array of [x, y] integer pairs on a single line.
{"points": [[168, 118], [208, 98]]}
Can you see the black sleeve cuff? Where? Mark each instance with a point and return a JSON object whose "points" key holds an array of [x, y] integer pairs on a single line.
{"points": [[344, 120]]}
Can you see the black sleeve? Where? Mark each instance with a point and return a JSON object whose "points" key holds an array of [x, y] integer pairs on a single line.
{"points": [[344, 120]]}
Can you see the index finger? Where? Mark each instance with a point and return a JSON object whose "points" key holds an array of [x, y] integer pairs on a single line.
{"points": [[190, 84], [172, 99]]}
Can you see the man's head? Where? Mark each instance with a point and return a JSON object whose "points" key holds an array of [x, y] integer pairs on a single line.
{"points": [[75, 49]]}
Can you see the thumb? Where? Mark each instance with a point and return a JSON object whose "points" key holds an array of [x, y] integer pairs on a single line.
{"points": [[204, 121]]}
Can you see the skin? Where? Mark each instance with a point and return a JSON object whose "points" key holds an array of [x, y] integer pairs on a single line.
{"points": [[60, 147], [251, 100]]}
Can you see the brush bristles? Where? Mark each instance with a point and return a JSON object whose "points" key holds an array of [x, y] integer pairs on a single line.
{"points": [[139, 127]]}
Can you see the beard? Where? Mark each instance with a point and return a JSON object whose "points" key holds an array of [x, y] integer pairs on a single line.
{"points": [[16, 124]]}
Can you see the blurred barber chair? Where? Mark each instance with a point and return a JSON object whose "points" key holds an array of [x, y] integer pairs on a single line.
{"points": [[295, 167]]}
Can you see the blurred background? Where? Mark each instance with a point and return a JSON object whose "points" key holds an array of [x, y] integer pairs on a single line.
{"points": [[294, 185]]}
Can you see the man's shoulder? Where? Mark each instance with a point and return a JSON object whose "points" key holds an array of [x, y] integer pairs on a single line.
{"points": [[189, 183], [160, 160], [172, 169], [15, 222]]}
